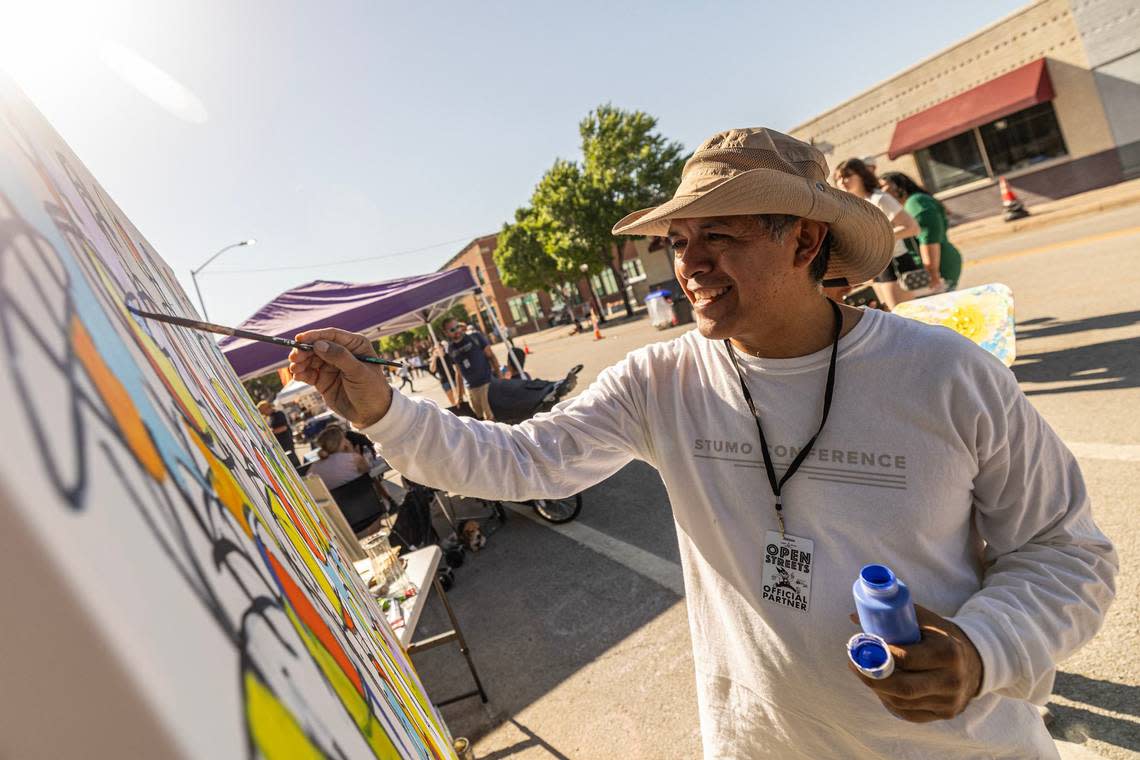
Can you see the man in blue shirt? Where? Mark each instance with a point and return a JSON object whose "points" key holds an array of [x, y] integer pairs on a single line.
{"points": [[471, 352]]}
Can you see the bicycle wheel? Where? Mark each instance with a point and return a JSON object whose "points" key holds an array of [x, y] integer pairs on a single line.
{"points": [[558, 511]]}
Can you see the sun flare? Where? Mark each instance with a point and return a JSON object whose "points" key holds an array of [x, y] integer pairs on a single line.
{"points": [[45, 43]]}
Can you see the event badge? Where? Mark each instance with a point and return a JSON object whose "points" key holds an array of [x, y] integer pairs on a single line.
{"points": [[787, 570]]}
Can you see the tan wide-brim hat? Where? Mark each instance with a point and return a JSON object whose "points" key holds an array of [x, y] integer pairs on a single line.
{"points": [[761, 171]]}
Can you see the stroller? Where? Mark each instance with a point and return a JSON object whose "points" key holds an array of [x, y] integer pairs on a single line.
{"points": [[518, 399], [512, 401]]}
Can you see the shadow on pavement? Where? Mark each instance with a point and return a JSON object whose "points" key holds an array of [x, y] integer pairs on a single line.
{"points": [[1098, 366], [532, 740], [1076, 725], [1118, 697], [536, 607], [1072, 724], [1102, 322]]}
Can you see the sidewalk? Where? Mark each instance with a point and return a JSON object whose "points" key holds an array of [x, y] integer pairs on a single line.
{"points": [[1048, 213]]}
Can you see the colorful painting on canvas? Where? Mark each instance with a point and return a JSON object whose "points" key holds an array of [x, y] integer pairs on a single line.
{"points": [[143, 479], [984, 314]]}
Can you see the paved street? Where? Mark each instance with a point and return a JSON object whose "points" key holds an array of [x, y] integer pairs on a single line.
{"points": [[580, 634]]}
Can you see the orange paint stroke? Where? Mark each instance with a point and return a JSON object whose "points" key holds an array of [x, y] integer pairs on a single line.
{"points": [[118, 401], [347, 617], [312, 620], [226, 487]]}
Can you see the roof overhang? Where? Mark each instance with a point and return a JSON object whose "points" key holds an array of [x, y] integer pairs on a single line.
{"points": [[1019, 89]]}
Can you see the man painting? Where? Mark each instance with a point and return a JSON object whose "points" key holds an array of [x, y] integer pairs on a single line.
{"points": [[789, 425]]}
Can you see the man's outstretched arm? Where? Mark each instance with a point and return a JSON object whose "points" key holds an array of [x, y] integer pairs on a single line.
{"points": [[582, 442]]}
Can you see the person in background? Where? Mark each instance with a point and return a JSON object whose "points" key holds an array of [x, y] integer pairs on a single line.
{"points": [[362, 445], [471, 352], [405, 374], [279, 426], [938, 254], [444, 370], [339, 463], [853, 176]]}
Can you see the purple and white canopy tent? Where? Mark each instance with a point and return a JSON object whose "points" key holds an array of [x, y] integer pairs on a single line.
{"points": [[374, 309]]}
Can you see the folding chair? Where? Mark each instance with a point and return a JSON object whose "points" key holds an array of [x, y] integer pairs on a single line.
{"points": [[359, 502]]}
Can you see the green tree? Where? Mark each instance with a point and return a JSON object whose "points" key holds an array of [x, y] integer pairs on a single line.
{"points": [[521, 257], [264, 387], [400, 343], [626, 165]]}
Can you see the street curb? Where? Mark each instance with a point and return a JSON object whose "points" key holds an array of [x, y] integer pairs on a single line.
{"points": [[1044, 220]]}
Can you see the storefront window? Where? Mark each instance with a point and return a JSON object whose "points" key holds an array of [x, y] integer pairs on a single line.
{"points": [[516, 306], [1012, 142], [633, 269], [951, 162], [1025, 138], [605, 284], [523, 306]]}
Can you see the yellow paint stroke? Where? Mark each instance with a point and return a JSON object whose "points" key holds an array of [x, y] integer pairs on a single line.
{"points": [[302, 550], [302, 504], [274, 729], [356, 705], [118, 401], [298, 523], [225, 397], [229, 491]]}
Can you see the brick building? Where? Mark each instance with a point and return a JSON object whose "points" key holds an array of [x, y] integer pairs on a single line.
{"points": [[1048, 97], [522, 313]]}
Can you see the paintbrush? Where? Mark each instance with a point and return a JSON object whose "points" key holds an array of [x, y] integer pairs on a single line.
{"points": [[194, 324]]}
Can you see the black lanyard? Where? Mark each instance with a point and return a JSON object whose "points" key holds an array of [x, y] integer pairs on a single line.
{"points": [[777, 485]]}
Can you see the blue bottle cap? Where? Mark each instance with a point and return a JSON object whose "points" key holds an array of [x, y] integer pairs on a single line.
{"points": [[871, 655]]}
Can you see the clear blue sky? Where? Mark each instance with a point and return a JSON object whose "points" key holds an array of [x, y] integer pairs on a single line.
{"points": [[340, 130]]}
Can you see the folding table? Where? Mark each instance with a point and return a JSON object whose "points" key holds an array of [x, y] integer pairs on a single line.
{"points": [[421, 568]]}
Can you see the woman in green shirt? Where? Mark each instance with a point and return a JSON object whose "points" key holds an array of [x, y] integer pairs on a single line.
{"points": [[939, 255]]}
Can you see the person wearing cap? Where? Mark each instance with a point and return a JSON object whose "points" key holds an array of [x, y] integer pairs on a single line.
{"points": [[799, 440], [279, 426]]}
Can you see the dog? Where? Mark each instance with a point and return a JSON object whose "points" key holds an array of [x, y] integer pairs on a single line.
{"points": [[472, 536]]}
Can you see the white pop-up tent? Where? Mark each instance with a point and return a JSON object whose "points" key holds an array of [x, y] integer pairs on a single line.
{"points": [[297, 392]]}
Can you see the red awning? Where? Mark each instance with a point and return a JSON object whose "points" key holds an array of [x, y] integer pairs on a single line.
{"points": [[1015, 91]]}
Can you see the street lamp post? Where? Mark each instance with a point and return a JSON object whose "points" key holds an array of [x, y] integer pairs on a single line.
{"points": [[194, 272], [593, 295]]}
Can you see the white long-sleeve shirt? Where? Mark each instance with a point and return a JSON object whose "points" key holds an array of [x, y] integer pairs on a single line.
{"points": [[932, 462]]}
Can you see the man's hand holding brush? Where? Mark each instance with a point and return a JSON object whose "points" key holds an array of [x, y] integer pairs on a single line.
{"points": [[357, 391]]}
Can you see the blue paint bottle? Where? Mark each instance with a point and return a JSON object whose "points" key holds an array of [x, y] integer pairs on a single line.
{"points": [[887, 615], [884, 605]]}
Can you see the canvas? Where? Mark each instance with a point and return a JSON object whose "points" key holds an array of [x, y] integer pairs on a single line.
{"points": [[984, 314], [168, 587]]}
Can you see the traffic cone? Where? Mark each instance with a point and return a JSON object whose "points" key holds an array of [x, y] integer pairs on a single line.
{"points": [[526, 348], [1013, 207], [597, 330]]}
